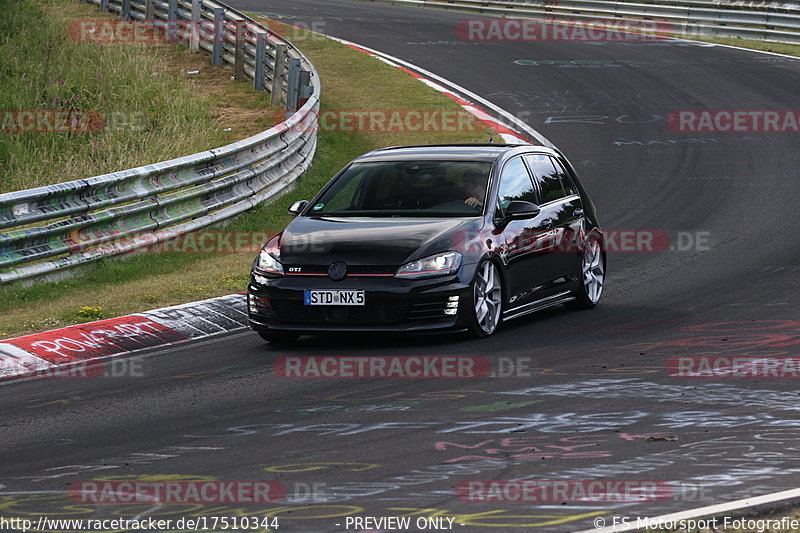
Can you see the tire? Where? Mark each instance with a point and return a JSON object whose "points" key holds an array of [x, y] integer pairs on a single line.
{"points": [[593, 275], [486, 303], [274, 337]]}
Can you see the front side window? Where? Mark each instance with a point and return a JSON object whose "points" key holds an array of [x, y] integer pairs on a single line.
{"points": [[407, 188], [515, 184]]}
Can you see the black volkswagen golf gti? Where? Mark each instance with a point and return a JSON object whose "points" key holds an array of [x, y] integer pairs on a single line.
{"points": [[424, 238]]}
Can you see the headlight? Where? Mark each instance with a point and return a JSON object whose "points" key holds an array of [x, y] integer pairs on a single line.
{"points": [[267, 260], [268, 264], [428, 267]]}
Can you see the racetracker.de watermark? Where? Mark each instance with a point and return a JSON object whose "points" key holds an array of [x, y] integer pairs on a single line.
{"points": [[734, 121], [392, 120], [127, 367], [116, 31], [50, 121], [496, 30], [532, 239], [204, 492], [69, 121], [715, 367], [192, 242], [382, 367], [549, 490], [225, 242]]}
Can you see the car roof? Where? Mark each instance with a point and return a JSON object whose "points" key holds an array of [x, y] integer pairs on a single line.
{"points": [[443, 152]]}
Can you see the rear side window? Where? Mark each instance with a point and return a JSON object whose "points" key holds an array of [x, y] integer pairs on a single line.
{"points": [[515, 184], [546, 176], [563, 176]]}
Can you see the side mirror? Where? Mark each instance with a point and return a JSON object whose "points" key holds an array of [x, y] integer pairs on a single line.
{"points": [[518, 210], [297, 207]]}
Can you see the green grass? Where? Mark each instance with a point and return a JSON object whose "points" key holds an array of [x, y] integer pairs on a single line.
{"points": [[351, 80]]}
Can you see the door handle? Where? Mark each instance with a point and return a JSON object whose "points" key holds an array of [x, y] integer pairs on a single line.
{"points": [[578, 212], [546, 223]]}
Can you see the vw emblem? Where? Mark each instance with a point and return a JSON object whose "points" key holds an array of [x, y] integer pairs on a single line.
{"points": [[337, 271]]}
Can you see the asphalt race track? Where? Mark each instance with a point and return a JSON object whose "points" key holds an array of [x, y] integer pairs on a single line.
{"points": [[590, 396]]}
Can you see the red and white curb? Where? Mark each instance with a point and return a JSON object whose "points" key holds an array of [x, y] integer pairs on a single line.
{"points": [[40, 354]]}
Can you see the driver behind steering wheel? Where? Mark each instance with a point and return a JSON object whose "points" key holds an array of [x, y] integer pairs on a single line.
{"points": [[475, 186]]}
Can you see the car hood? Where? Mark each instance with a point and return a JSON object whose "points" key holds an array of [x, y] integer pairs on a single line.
{"points": [[368, 241]]}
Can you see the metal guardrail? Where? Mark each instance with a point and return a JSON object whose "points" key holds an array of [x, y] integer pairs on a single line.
{"points": [[48, 229], [687, 17], [754, 5]]}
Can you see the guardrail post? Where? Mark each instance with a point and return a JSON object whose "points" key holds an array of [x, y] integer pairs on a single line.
{"points": [[261, 61], [219, 36], [281, 50], [293, 85], [104, 6], [149, 9], [194, 39], [172, 21], [238, 64], [305, 90], [126, 10]]}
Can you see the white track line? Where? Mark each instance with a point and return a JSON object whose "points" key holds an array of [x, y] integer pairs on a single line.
{"points": [[700, 512]]}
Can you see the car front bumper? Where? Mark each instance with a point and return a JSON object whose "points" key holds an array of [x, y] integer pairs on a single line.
{"points": [[391, 304]]}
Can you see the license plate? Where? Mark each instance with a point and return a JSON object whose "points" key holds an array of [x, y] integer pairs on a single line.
{"points": [[333, 297]]}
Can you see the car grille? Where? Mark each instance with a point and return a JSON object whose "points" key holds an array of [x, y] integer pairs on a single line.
{"points": [[376, 313]]}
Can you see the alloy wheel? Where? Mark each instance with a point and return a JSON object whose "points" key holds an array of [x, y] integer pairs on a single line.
{"points": [[488, 297], [593, 271]]}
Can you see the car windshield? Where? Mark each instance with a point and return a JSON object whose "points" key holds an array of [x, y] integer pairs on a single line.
{"points": [[407, 188]]}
